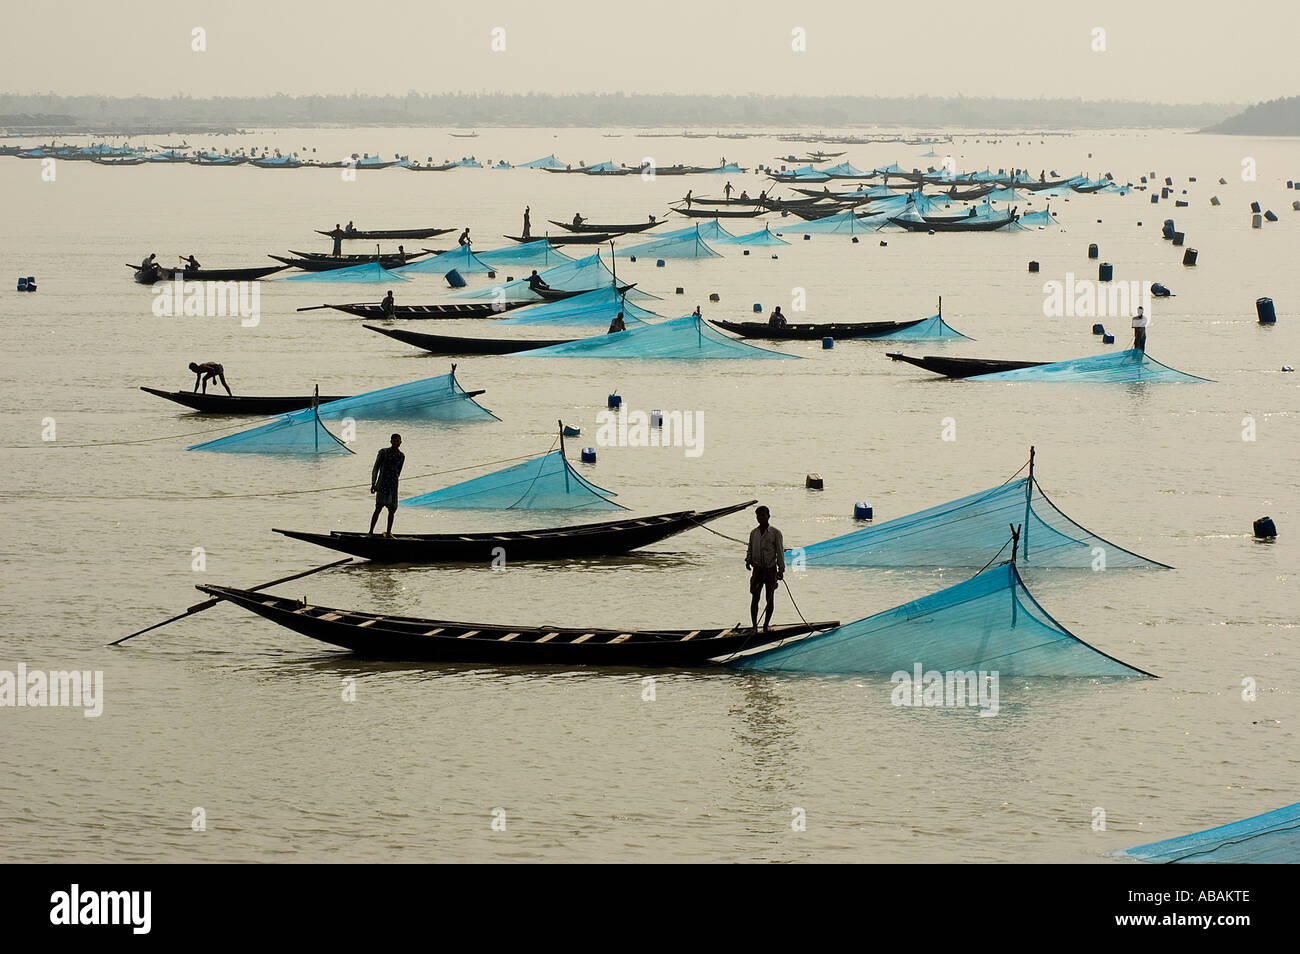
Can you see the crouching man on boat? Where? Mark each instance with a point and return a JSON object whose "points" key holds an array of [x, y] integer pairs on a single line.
{"points": [[537, 283], [766, 559], [776, 319], [209, 371], [383, 481]]}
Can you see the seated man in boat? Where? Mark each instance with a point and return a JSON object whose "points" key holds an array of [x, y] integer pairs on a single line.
{"points": [[617, 325], [696, 312], [1140, 331], [776, 319], [744, 195], [578, 219], [387, 306], [383, 481], [349, 230], [150, 264], [191, 264], [766, 559], [464, 237], [209, 371], [536, 282]]}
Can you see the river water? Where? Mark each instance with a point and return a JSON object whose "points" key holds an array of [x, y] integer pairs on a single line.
{"points": [[229, 714]]}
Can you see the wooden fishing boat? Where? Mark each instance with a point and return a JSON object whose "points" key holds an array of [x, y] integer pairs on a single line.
{"points": [[720, 213], [440, 167], [560, 294], [468, 309], [163, 274], [839, 330], [240, 403], [361, 258], [962, 367], [118, 160], [455, 345], [571, 238], [963, 223], [611, 229], [387, 233], [328, 264], [406, 638], [608, 538]]}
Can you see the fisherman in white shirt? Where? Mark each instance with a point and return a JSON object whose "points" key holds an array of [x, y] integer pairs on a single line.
{"points": [[1140, 331]]}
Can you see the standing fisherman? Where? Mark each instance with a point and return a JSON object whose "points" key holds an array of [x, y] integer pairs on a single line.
{"points": [[383, 481], [337, 236], [1140, 331], [766, 558], [528, 225]]}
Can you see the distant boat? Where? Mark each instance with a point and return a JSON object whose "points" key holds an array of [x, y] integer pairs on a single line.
{"points": [[472, 134]]}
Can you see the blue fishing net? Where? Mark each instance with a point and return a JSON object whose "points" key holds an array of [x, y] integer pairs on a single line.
{"points": [[584, 274], [763, 237], [931, 329], [544, 483], [594, 309], [539, 254], [687, 337], [685, 246], [371, 273], [546, 162], [460, 258], [988, 623], [1121, 366], [966, 531], [297, 436]]}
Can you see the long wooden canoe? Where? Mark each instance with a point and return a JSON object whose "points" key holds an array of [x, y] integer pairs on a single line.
{"points": [[240, 403], [962, 367], [960, 224], [386, 233], [717, 213], [380, 636], [611, 229], [840, 330], [570, 238], [164, 274], [455, 345], [608, 538], [467, 309]]}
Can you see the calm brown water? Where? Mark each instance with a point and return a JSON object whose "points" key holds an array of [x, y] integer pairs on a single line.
{"points": [[231, 714]]}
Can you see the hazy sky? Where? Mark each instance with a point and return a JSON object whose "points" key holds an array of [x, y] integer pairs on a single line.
{"points": [[1159, 50]]}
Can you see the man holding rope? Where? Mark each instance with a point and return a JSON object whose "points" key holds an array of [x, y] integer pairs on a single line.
{"points": [[766, 558], [383, 481]]}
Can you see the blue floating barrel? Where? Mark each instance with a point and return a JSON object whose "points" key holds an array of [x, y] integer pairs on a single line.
{"points": [[1222, 181], [589, 455], [1214, 200], [1264, 309], [862, 511], [571, 431], [1189, 256], [806, 237], [1167, 230], [455, 279], [22, 284], [659, 263], [1178, 238], [1162, 291], [680, 290], [1168, 181], [1155, 199], [1033, 266], [615, 400], [1257, 221], [744, 251], [758, 307], [1254, 207], [1144, 178], [491, 274], [656, 418], [1164, 193], [1099, 329], [1092, 250], [1180, 204], [631, 258], [1270, 215], [828, 343], [1295, 206], [882, 245], [855, 240], [1265, 528], [1290, 183], [31, 282], [1108, 338], [1105, 272], [714, 296]]}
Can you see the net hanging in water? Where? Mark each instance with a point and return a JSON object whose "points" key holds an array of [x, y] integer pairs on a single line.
{"points": [[687, 337], [548, 482], [371, 273], [989, 623], [1118, 367], [595, 308]]}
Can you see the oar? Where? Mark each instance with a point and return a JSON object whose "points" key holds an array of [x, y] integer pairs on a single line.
{"points": [[208, 604], [318, 307]]}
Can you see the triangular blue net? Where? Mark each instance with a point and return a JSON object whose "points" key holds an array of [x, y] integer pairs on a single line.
{"points": [[537, 254], [931, 329], [687, 337], [584, 274], [964, 532], [544, 483], [546, 162], [595, 309], [764, 236], [989, 623], [297, 436], [841, 223], [370, 273], [1269, 839], [1120, 367], [685, 246], [459, 258], [845, 170], [431, 399], [710, 230], [725, 167], [1040, 219]]}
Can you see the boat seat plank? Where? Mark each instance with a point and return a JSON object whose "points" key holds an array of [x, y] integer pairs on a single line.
{"points": [[548, 637], [583, 638], [435, 632], [467, 634], [330, 617]]}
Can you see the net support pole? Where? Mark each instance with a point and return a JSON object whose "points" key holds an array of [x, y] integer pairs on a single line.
{"points": [[1029, 497]]}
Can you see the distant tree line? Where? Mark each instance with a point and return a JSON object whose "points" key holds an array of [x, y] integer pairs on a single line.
{"points": [[612, 109]]}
